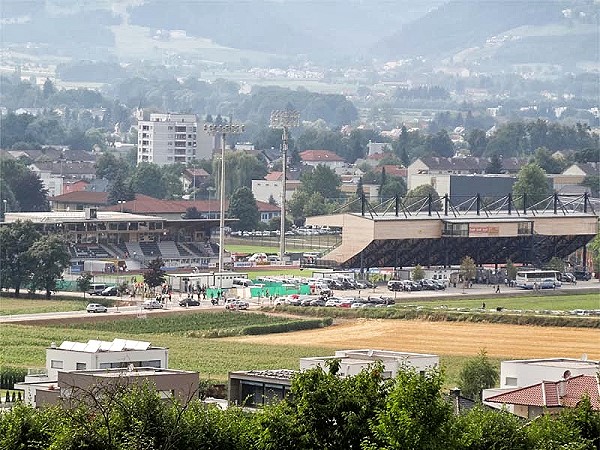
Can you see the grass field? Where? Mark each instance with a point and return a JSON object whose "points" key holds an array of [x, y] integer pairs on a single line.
{"points": [[9, 306], [531, 303]]}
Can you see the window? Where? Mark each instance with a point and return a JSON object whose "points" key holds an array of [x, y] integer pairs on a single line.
{"points": [[525, 228], [511, 381], [56, 364], [80, 366]]}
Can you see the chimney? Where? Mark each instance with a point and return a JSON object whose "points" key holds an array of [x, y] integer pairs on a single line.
{"points": [[562, 388]]}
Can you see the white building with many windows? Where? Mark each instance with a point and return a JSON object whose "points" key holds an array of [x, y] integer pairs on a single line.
{"points": [[172, 138]]}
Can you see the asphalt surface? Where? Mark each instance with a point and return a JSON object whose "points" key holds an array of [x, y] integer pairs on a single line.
{"points": [[476, 291]]}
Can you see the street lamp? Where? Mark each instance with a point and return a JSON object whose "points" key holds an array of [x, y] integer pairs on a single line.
{"points": [[284, 119], [222, 130]]}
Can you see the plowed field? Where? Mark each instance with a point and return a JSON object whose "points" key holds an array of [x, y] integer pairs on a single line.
{"points": [[447, 338]]}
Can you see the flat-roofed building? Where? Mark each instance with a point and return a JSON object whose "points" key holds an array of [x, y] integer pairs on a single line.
{"points": [[353, 361]]}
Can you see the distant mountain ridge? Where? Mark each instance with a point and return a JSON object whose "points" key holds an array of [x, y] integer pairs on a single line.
{"points": [[458, 25]]}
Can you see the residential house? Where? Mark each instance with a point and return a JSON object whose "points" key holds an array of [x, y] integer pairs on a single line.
{"points": [[91, 355], [549, 397], [54, 173], [78, 200], [75, 185], [518, 374], [259, 387], [324, 157], [194, 178], [272, 185], [462, 177], [353, 361], [569, 181]]}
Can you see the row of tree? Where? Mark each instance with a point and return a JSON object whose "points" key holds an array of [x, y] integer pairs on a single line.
{"points": [[323, 411], [31, 260]]}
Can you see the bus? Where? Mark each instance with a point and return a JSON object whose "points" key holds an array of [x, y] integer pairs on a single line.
{"points": [[541, 279]]}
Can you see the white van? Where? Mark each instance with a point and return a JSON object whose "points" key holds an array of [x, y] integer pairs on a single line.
{"points": [[96, 288], [242, 282]]}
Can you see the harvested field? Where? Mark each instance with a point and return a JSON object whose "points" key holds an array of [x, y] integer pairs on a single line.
{"points": [[447, 338]]}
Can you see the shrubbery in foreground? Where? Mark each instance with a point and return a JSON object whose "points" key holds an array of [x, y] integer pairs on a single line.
{"points": [[324, 412]]}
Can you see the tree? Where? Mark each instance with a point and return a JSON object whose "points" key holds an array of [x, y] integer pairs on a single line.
{"points": [[147, 179], [418, 273], [16, 264], [485, 429], [557, 264], [511, 270], [119, 190], [417, 198], [593, 183], [543, 158], [495, 165], [51, 257], [533, 182], [476, 375], [394, 186], [154, 275], [24, 189], [242, 206], [330, 411], [84, 281], [441, 144], [322, 180], [109, 166], [468, 269], [478, 141], [594, 248], [171, 175], [415, 415]]}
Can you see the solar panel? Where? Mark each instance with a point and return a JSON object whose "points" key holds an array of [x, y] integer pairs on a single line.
{"points": [[105, 346], [117, 345], [79, 346], [66, 345], [141, 345], [92, 346]]}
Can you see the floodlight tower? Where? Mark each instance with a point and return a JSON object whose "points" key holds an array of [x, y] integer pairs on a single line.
{"points": [[222, 130], [284, 119]]}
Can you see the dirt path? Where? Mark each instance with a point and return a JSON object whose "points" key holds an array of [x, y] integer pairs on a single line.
{"points": [[447, 338]]}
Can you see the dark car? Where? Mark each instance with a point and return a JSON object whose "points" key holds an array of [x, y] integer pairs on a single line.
{"points": [[582, 275], [189, 302], [110, 291]]}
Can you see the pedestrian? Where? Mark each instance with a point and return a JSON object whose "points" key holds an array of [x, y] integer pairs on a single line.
{"points": [[497, 289], [483, 305]]}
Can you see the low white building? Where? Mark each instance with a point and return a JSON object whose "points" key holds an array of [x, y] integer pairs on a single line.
{"points": [[353, 361], [93, 355]]}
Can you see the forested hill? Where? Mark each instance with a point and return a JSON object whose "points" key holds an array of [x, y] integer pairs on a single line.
{"points": [[460, 24]]}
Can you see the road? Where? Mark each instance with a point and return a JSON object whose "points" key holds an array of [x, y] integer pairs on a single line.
{"points": [[477, 291]]}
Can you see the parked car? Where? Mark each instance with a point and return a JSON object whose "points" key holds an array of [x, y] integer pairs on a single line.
{"points": [[110, 291], [96, 288], [152, 304], [96, 308], [318, 302], [237, 304], [567, 277], [550, 283], [395, 285], [189, 302], [582, 275]]}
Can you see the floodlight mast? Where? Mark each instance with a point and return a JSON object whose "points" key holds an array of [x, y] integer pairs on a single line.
{"points": [[284, 119], [223, 131]]}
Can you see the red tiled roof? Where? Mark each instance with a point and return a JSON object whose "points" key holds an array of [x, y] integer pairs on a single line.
{"points": [[274, 176], [89, 197], [144, 204], [548, 393], [395, 171], [319, 156]]}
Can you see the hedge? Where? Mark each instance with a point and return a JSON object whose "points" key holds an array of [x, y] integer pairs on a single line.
{"points": [[283, 327]]}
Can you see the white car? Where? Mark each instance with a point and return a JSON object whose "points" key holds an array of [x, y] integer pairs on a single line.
{"points": [[96, 308], [152, 304]]}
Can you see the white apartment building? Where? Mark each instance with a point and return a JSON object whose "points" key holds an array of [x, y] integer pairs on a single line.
{"points": [[172, 138]]}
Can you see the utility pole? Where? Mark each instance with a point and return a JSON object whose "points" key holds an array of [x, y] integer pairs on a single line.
{"points": [[284, 119]]}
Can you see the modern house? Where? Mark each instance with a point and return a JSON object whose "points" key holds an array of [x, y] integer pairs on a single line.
{"points": [[258, 387], [272, 185], [353, 361], [91, 356]]}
